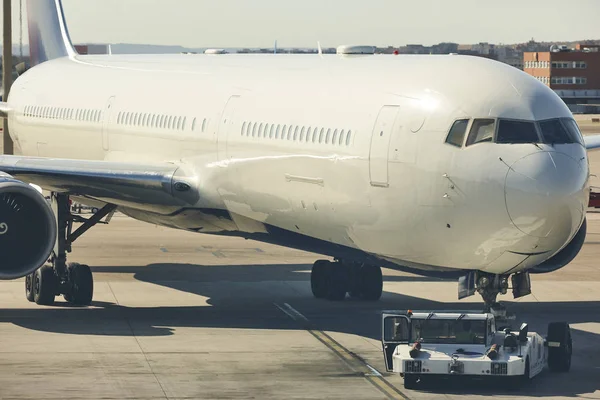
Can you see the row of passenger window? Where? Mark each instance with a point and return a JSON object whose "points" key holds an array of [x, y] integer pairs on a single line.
{"points": [[552, 131], [297, 133], [64, 113], [160, 121]]}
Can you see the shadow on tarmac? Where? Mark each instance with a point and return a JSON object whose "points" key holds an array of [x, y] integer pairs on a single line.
{"points": [[243, 297]]}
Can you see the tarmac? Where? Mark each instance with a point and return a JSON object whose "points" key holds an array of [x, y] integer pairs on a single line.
{"points": [[178, 315]]}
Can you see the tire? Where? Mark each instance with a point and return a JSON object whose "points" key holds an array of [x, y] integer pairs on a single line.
{"points": [[81, 283], [371, 283], [44, 286], [526, 378], [559, 358], [29, 287], [94, 210], [318, 278], [411, 381], [337, 282]]}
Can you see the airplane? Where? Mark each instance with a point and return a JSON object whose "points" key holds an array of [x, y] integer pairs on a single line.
{"points": [[451, 166]]}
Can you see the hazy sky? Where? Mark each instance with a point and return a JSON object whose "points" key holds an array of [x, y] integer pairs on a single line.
{"points": [[258, 23]]}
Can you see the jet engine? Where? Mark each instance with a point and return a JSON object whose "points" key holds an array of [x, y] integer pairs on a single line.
{"points": [[566, 255], [27, 228]]}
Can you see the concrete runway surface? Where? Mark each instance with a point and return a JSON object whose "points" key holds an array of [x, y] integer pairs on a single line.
{"points": [[178, 315]]}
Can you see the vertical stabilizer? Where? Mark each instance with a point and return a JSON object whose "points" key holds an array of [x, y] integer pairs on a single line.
{"points": [[48, 33]]}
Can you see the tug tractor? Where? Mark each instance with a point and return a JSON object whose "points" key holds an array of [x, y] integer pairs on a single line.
{"points": [[426, 344]]}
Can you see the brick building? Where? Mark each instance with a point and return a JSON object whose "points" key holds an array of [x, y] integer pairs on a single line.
{"points": [[574, 74]]}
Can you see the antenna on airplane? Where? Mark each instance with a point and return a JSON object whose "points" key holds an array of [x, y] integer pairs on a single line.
{"points": [[320, 49]]}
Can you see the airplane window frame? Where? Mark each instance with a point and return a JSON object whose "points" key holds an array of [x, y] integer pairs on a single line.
{"points": [[468, 143], [535, 125], [465, 133]]}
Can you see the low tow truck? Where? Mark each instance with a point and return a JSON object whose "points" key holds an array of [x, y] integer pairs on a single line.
{"points": [[422, 345]]}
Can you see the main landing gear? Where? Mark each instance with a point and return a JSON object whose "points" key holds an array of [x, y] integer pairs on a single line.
{"points": [[73, 281], [332, 280]]}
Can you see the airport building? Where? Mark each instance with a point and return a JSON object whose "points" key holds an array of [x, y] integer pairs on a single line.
{"points": [[574, 74]]}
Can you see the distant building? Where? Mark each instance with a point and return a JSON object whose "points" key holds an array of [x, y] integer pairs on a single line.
{"points": [[574, 74], [85, 49]]}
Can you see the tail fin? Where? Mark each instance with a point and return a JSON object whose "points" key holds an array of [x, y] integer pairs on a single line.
{"points": [[48, 34]]}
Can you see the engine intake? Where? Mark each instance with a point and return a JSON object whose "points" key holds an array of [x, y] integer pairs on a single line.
{"points": [[27, 228]]}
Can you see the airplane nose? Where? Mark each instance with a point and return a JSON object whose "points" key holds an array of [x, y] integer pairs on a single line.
{"points": [[546, 195]]}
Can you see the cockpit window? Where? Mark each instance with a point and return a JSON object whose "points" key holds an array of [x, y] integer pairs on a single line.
{"points": [[516, 132], [481, 131], [457, 133], [573, 130], [554, 132]]}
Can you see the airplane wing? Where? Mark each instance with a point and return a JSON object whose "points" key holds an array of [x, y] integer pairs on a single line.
{"points": [[4, 109], [592, 142], [126, 184]]}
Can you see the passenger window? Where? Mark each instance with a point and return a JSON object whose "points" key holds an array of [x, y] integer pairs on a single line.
{"points": [[516, 132], [194, 126], [266, 131], [481, 131], [296, 133], [334, 139], [260, 130], [184, 123], [328, 136], [321, 135], [272, 133], [283, 132], [254, 129], [555, 133], [341, 138], [302, 132], [203, 125], [277, 131], [457, 133], [573, 129], [349, 138]]}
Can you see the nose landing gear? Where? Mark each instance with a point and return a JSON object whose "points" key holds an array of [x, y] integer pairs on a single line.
{"points": [[332, 280], [489, 286]]}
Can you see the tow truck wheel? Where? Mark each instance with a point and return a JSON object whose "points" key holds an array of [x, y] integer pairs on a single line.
{"points": [[319, 278], [560, 347], [44, 286], [29, 287], [410, 381]]}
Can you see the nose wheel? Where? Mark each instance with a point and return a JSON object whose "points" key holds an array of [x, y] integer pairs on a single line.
{"points": [[333, 280]]}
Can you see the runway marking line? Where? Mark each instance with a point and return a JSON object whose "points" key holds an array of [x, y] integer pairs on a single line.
{"points": [[352, 361]]}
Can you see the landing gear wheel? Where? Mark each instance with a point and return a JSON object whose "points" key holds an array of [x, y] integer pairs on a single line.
{"points": [[81, 284], [318, 278], [411, 381], [29, 287], [370, 283], [44, 286], [337, 282], [560, 347]]}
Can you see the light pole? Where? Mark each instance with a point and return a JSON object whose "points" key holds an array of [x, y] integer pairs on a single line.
{"points": [[7, 68]]}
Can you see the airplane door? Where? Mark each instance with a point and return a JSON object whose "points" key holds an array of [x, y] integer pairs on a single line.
{"points": [[226, 126], [380, 141], [108, 110]]}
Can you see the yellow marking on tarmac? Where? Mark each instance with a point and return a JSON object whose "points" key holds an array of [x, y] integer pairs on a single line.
{"points": [[353, 361]]}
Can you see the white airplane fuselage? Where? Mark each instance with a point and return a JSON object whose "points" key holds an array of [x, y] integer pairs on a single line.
{"points": [[347, 151]]}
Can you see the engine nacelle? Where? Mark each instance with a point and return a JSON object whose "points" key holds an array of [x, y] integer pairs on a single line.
{"points": [[27, 228], [565, 256]]}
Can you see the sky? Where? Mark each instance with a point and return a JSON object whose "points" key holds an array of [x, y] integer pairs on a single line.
{"points": [[301, 23]]}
